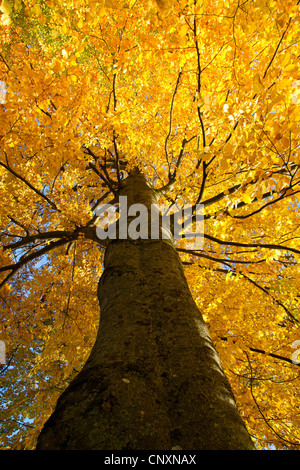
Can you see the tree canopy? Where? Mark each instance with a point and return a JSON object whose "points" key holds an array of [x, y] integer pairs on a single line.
{"points": [[202, 96]]}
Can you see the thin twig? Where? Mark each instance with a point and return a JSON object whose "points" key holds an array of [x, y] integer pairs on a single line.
{"points": [[276, 50], [258, 407], [171, 122]]}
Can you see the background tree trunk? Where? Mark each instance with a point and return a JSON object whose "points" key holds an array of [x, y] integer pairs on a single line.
{"points": [[153, 380]]}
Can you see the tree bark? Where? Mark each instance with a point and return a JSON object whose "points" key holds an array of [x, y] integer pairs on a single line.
{"points": [[153, 380]]}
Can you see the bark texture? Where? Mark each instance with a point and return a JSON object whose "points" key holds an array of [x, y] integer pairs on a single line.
{"points": [[153, 380]]}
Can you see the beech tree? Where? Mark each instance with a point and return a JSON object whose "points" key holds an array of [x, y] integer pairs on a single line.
{"points": [[168, 103]]}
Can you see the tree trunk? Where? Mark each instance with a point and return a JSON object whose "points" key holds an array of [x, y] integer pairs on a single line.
{"points": [[153, 380]]}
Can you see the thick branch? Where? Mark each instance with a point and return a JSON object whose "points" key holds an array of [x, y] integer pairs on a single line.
{"points": [[218, 260], [64, 238], [37, 191], [233, 189], [270, 246], [39, 236], [234, 273], [261, 351], [15, 267]]}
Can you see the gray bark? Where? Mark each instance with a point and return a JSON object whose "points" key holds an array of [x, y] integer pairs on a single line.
{"points": [[153, 380]]}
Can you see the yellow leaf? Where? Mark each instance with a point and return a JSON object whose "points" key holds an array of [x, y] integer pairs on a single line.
{"points": [[36, 9], [173, 37], [58, 66], [5, 19], [204, 156], [115, 4], [276, 100], [246, 198], [43, 19], [289, 192], [199, 100], [257, 84], [286, 59], [5, 7], [291, 68], [284, 83], [17, 5], [54, 33]]}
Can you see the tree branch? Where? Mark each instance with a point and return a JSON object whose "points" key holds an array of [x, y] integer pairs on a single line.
{"points": [[37, 191], [15, 267], [251, 245], [261, 351], [39, 236], [171, 122], [258, 407], [276, 50]]}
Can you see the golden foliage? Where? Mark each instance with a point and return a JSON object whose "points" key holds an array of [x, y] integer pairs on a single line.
{"points": [[204, 97]]}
